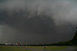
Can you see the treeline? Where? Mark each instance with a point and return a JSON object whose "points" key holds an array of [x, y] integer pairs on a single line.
{"points": [[67, 43], [2, 44]]}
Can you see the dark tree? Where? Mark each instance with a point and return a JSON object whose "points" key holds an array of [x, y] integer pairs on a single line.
{"points": [[74, 40]]}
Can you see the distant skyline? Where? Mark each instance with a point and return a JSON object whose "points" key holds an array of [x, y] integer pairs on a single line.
{"points": [[37, 21]]}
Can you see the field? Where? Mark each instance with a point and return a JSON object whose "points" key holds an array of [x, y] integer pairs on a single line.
{"points": [[37, 48], [12, 48], [48, 47]]}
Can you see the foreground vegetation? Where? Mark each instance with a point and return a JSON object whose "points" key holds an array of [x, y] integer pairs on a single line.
{"points": [[11, 48]]}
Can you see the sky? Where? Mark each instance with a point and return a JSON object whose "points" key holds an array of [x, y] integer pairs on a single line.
{"points": [[37, 21]]}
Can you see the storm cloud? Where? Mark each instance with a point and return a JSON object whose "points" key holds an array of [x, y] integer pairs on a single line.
{"points": [[37, 21]]}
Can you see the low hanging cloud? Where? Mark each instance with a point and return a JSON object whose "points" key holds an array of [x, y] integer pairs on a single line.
{"points": [[33, 21]]}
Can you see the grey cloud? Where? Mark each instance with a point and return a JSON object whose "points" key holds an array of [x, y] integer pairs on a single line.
{"points": [[36, 21]]}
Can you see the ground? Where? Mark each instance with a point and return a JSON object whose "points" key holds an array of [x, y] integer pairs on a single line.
{"points": [[38, 48], [48, 47], [12, 48]]}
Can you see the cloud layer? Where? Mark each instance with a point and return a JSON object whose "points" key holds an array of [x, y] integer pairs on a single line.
{"points": [[33, 21]]}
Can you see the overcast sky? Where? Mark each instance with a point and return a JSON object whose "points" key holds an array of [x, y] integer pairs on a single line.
{"points": [[37, 21]]}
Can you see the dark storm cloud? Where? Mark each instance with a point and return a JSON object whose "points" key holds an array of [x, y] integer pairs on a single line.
{"points": [[33, 21]]}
